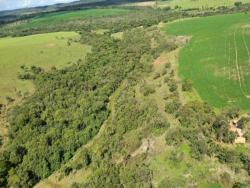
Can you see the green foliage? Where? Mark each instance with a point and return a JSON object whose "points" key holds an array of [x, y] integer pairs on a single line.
{"points": [[195, 114], [69, 107], [174, 136], [136, 175], [157, 75], [187, 85], [172, 107], [238, 3], [4, 168], [247, 136], [221, 126], [147, 89], [172, 85]]}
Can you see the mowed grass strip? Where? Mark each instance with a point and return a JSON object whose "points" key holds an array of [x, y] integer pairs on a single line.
{"points": [[43, 50], [217, 59], [62, 17]]}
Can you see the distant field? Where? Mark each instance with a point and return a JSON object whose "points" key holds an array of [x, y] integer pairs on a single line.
{"points": [[61, 17], [186, 4], [45, 50], [217, 59], [200, 3]]}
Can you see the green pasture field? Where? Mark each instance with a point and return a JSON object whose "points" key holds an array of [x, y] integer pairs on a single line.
{"points": [[44, 50], [217, 59], [62, 17], [187, 4]]}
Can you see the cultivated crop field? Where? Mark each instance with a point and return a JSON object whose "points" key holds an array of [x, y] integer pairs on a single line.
{"points": [[217, 59], [44, 50]]}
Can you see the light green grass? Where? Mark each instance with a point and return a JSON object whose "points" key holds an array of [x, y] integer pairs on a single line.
{"points": [[62, 17], [187, 4], [217, 58], [44, 50], [186, 169]]}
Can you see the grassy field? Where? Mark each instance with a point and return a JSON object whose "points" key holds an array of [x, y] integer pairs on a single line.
{"points": [[61, 17], [217, 59], [187, 4], [44, 50]]}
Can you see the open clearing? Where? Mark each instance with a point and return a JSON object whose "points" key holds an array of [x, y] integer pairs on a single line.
{"points": [[44, 50], [217, 59]]}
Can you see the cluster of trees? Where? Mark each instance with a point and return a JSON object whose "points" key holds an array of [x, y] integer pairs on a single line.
{"points": [[129, 113], [69, 107], [29, 73], [203, 130]]}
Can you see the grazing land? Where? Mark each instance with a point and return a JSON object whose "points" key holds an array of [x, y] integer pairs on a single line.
{"points": [[63, 17], [190, 4], [217, 57], [187, 4], [44, 50]]}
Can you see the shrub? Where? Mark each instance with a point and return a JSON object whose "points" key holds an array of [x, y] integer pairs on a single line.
{"points": [[156, 75], [147, 90], [238, 3], [172, 107], [247, 136], [187, 85], [164, 71], [172, 86], [232, 112], [10, 99], [166, 79], [174, 136], [67, 171], [167, 65]]}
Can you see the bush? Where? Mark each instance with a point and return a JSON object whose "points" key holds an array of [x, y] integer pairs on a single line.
{"points": [[166, 79], [242, 122], [67, 171], [26, 76], [247, 136], [232, 112], [187, 85], [163, 72], [172, 107], [156, 75], [174, 136], [238, 3], [167, 65], [147, 90], [172, 86], [10, 99]]}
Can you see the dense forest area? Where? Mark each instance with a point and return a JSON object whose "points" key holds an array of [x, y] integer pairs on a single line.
{"points": [[113, 94]]}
